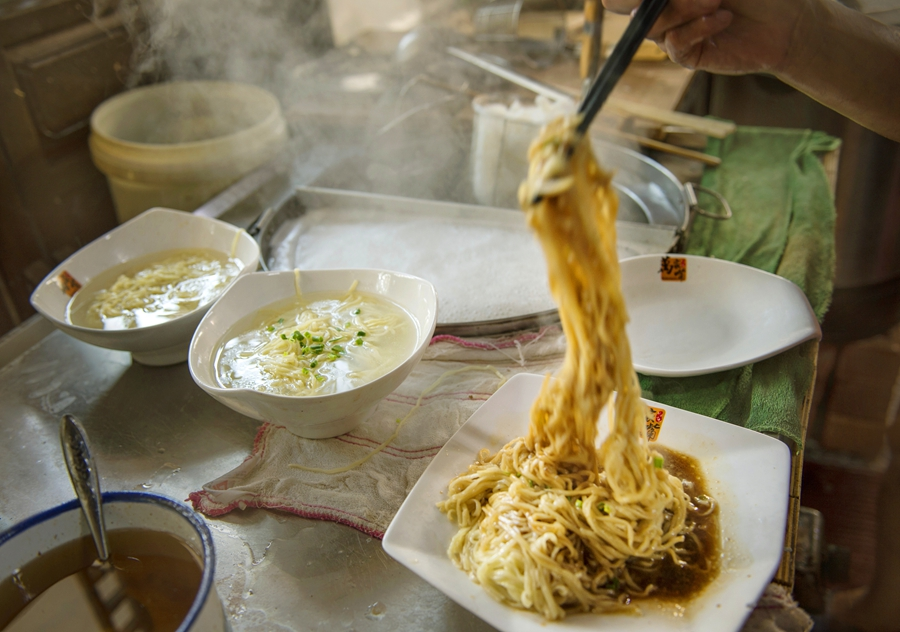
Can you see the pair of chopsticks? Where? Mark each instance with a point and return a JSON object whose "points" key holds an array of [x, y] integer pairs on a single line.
{"points": [[618, 61], [611, 72]]}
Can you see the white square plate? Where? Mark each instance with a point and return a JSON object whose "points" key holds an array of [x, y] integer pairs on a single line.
{"points": [[747, 472]]}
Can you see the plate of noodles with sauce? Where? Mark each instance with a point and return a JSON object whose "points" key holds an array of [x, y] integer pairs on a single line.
{"points": [[745, 472], [144, 286], [570, 500]]}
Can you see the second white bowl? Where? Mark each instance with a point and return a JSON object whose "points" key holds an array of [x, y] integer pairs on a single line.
{"points": [[316, 416]]}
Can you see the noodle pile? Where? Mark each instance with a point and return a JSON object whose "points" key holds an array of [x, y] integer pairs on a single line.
{"points": [[550, 522], [173, 286], [318, 345]]}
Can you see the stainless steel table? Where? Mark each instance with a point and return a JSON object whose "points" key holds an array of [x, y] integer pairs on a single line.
{"points": [[152, 428]]}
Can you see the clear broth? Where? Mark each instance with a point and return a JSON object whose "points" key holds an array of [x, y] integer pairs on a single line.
{"points": [[174, 299], [158, 571], [372, 336]]}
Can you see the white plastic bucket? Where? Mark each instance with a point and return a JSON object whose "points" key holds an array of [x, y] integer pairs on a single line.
{"points": [[178, 144]]}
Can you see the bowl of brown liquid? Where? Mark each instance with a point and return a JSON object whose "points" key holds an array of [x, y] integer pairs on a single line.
{"points": [[160, 550]]}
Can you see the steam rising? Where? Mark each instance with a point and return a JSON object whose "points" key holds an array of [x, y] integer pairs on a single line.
{"points": [[397, 99]]}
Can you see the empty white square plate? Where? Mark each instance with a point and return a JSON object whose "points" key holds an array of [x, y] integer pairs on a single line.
{"points": [[747, 472]]}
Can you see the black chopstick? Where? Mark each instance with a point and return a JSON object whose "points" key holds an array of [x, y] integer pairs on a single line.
{"points": [[618, 61]]}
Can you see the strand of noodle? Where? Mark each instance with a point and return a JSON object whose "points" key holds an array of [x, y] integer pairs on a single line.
{"points": [[160, 280], [234, 242], [400, 422], [285, 366]]}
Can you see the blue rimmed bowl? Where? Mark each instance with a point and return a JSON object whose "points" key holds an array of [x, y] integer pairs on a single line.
{"points": [[45, 531]]}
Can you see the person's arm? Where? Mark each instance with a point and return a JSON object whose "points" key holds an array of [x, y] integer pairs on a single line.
{"points": [[836, 55]]}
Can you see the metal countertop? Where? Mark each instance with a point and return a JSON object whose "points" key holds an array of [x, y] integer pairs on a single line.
{"points": [[152, 428]]}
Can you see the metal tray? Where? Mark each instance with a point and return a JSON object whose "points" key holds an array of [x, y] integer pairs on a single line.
{"points": [[633, 239]]}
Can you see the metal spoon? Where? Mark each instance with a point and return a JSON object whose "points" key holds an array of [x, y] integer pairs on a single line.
{"points": [[120, 611], [83, 474]]}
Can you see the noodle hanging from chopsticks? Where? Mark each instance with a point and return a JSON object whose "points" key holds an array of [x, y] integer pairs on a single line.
{"points": [[552, 523]]}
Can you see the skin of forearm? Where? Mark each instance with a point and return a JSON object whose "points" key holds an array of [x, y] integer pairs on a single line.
{"points": [[847, 62]]}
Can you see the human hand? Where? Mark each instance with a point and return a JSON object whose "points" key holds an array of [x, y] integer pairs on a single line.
{"points": [[724, 36]]}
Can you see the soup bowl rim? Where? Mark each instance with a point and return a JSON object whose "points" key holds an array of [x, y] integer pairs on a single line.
{"points": [[212, 386]]}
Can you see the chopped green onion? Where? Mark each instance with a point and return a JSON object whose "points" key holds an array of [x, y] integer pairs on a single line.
{"points": [[297, 335], [347, 325], [333, 357], [317, 348], [579, 504], [320, 378], [337, 348], [305, 371], [603, 508], [313, 364], [283, 337], [356, 311], [358, 342], [360, 333], [530, 483], [613, 584], [307, 335], [317, 338], [280, 321], [658, 462], [270, 328]]}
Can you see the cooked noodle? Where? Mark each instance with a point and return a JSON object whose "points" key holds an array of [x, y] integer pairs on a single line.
{"points": [[400, 422], [317, 344], [153, 289], [550, 522]]}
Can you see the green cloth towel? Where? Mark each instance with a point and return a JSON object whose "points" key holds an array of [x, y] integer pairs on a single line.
{"points": [[783, 223]]}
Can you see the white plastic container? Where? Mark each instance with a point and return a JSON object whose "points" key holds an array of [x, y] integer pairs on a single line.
{"points": [[178, 144], [503, 130]]}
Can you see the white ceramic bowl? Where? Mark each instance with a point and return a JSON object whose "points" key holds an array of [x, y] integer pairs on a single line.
{"points": [[152, 231], [38, 534], [317, 416]]}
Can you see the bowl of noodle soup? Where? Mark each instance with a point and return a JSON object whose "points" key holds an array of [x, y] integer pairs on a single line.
{"points": [[314, 350], [144, 286]]}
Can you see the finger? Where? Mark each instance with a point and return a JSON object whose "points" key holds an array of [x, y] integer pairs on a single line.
{"points": [[689, 35], [621, 6], [681, 12], [691, 46]]}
